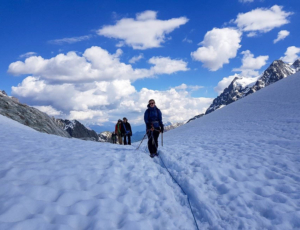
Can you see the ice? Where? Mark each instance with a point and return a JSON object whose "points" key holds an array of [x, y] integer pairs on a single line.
{"points": [[239, 167]]}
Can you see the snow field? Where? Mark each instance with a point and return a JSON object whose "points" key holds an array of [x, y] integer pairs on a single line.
{"points": [[49, 182], [240, 165]]}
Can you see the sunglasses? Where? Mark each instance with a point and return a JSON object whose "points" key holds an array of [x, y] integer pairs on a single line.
{"points": [[152, 103]]}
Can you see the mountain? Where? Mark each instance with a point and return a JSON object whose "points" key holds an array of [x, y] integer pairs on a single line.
{"points": [[29, 116], [78, 130], [195, 117], [242, 86]]}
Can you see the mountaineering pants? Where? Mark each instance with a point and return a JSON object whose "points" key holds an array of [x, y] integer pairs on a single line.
{"points": [[129, 140], [153, 141], [120, 139]]}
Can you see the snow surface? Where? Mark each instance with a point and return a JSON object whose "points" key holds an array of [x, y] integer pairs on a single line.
{"points": [[244, 82], [239, 166]]}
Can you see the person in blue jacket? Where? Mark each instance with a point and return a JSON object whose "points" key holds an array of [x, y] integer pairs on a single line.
{"points": [[154, 126]]}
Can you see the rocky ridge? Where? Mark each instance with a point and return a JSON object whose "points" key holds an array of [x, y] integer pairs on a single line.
{"points": [[241, 86], [29, 116]]}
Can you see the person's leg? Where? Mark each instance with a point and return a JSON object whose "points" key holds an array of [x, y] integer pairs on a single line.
{"points": [[155, 136], [120, 139], [129, 140], [125, 141], [150, 145]]}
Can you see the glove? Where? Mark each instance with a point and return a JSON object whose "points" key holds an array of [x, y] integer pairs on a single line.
{"points": [[162, 129]]}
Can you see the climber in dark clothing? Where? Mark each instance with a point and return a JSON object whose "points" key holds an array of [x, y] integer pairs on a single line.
{"points": [[127, 133], [154, 126]]}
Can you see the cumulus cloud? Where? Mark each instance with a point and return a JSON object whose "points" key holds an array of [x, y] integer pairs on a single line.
{"points": [[143, 32], [96, 87], [165, 65], [262, 19], [136, 58], [70, 40], [291, 54], [95, 64], [28, 54], [218, 46], [250, 64], [98, 102], [281, 35]]}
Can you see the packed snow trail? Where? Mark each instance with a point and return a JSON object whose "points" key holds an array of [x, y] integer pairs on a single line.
{"points": [[50, 182], [164, 166], [240, 164]]}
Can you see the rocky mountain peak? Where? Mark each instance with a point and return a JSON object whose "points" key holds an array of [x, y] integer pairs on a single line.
{"points": [[241, 86]]}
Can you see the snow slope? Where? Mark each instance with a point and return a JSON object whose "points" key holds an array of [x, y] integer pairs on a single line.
{"points": [[49, 182], [239, 166]]}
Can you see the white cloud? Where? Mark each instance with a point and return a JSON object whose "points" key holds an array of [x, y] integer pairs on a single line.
{"points": [[98, 102], [252, 34], [165, 65], [262, 19], [96, 87], [250, 65], [144, 32], [218, 46], [187, 40], [186, 87], [291, 54], [28, 54], [95, 64], [136, 58], [49, 110], [243, 1], [281, 35], [70, 40]]}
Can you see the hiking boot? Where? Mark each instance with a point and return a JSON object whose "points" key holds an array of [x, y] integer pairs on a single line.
{"points": [[152, 155]]}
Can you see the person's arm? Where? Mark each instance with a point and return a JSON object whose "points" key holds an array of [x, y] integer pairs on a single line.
{"points": [[146, 119], [160, 121], [130, 129]]}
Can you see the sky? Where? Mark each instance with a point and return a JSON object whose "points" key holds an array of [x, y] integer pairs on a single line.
{"points": [[98, 61]]}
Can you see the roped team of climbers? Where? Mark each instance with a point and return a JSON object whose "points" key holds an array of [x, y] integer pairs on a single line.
{"points": [[154, 126], [122, 129]]}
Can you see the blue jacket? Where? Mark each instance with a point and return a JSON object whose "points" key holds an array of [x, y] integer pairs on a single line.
{"points": [[153, 117]]}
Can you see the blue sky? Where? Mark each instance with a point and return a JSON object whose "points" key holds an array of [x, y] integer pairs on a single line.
{"points": [[97, 61]]}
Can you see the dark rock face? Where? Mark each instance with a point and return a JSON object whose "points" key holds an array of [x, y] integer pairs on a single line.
{"points": [[78, 130], [275, 72], [232, 93], [26, 115], [195, 117], [296, 65]]}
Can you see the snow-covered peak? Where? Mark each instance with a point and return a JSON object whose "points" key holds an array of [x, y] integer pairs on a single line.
{"points": [[241, 83]]}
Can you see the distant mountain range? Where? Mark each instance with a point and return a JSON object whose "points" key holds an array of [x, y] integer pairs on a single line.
{"points": [[241, 86]]}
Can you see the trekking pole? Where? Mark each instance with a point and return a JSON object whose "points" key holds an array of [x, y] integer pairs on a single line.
{"points": [[141, 142], [162, 139]]}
